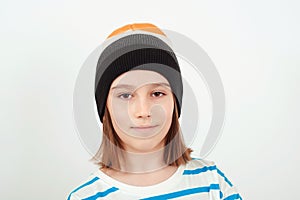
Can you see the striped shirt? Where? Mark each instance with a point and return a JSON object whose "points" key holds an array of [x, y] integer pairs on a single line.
{"points": [[198, 179]]}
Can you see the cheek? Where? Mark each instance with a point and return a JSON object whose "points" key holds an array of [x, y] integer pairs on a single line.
{"points": [[163, 116], [168, 107], [120, 115], [168, 115]]}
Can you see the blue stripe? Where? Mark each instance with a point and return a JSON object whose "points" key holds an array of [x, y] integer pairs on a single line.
{"points": [[199, 170], [102, 194], [234, 197], [184, 192], [196, 159], [205, 169], [221, 194], [225, 178], [87, 183]]}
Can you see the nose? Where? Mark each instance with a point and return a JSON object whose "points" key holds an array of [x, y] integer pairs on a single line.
{"points": [[142, 108]]}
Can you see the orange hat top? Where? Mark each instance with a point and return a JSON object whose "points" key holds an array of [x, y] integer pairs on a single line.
{"points": [[137, 26]]}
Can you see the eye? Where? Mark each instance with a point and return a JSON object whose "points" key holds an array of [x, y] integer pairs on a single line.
{"points": [[125, 96], [158, 94]]}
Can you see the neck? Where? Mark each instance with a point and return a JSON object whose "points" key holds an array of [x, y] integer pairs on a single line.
{"points": [[142, 162]]}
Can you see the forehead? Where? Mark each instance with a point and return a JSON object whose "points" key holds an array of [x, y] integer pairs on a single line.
{"points": [[138, 78]]}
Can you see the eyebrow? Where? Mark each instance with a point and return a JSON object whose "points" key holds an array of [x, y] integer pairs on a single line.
{"points": [[132, 86]]}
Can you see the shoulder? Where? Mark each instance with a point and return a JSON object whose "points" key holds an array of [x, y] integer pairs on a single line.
{"points": [[87, 188], [83, 187], [202, 166], [199, 162], [199, 165], [212, 175]]}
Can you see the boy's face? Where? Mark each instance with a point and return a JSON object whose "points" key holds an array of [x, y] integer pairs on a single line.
{"points": [[140, 103]]}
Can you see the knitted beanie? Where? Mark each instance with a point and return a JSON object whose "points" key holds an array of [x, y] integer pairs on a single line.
{"points": [[136, 47]]}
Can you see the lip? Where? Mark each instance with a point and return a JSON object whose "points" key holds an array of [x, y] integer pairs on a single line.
{"points": [[144, 127]]}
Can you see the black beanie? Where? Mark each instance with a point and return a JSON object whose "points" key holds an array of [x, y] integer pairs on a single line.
{"points": [[137, 51]]}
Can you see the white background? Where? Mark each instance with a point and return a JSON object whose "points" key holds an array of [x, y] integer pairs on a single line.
{"points": [[255, 46]]}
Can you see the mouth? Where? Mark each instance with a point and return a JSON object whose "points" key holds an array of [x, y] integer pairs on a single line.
{"points": [[144, 127], [144, 131]]}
